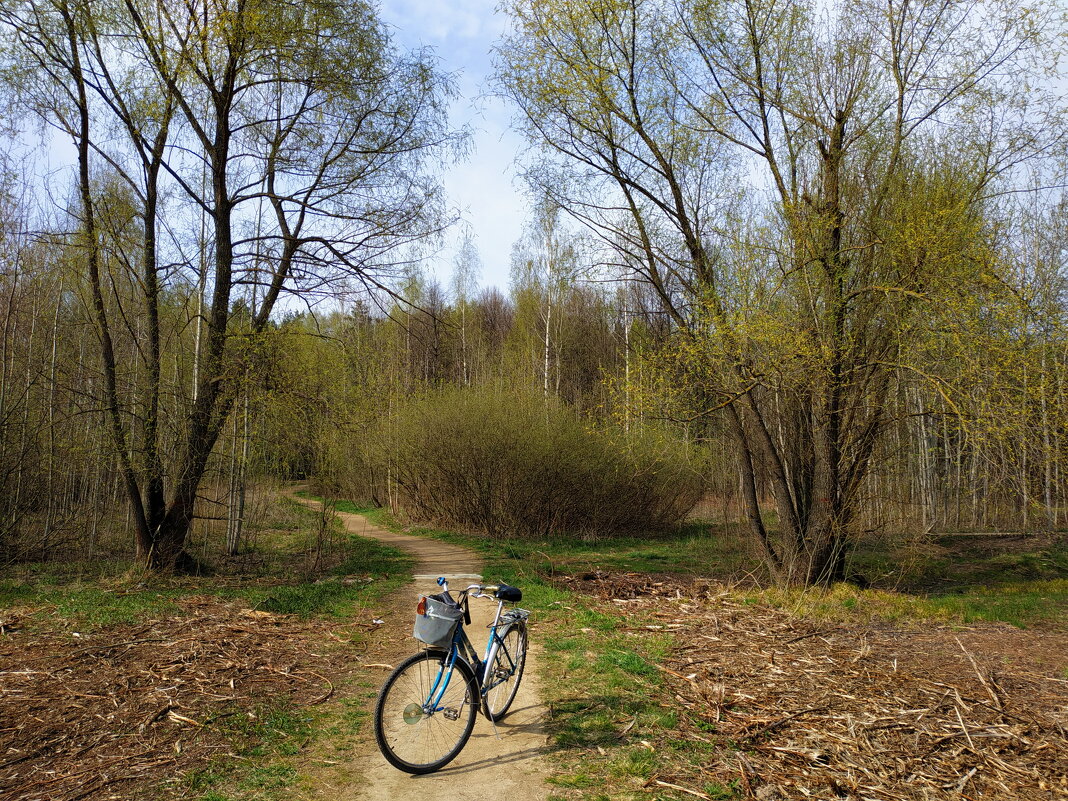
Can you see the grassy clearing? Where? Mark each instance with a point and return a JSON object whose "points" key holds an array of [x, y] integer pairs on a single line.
{"points": [[1017, 579], [1023, 581], [613, 722], [692, 549]]}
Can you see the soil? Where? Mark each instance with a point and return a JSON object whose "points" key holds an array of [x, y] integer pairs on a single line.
{"points": [[508, 758]]}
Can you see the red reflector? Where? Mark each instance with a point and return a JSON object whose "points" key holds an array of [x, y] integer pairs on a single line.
{"points": [[421, 606]]}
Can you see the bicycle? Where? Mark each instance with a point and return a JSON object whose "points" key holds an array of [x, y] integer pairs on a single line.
{"points": [[423, 716]]}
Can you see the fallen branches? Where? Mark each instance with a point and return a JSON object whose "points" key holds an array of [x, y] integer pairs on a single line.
{"points": [[82, 716], [851, 712]]}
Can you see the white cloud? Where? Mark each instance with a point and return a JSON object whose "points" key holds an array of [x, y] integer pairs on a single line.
{"points": [[435, 22]]}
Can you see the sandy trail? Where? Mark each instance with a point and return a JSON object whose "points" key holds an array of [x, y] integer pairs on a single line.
{"points": [[509, 762]]}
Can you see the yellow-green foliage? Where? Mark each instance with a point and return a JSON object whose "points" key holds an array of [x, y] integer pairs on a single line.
{"points": [[509, 463]]}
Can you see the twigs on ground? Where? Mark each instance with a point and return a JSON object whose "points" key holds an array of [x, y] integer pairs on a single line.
{"points": [[134, 708], [800, 710]]}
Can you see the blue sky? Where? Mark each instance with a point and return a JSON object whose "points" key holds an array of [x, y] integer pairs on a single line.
{"points": [[484, 187]]}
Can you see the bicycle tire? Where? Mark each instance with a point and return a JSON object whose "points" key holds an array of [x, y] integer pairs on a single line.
{"points": [[409, 738], [498, 699]]}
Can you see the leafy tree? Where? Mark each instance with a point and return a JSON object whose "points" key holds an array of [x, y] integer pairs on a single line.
{"points": [[290, 142], [788, 179]]}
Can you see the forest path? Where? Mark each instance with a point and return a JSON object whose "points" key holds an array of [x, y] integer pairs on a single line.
{"points": [[508, 763]]}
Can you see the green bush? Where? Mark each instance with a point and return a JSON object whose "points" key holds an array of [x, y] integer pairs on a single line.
{"points": [[511, 464]]}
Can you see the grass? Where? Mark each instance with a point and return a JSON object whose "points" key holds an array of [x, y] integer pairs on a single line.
{"points": [[1024, 604], [264, 741], [86, 606], [347, 571], [947, 581], [607, 702], [1022, 580]]}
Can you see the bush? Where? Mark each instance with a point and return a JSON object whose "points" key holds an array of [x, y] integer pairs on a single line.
{"points": [[510, 464]]}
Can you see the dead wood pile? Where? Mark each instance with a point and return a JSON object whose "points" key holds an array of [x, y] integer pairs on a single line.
{"points": [[116, 713], [787, 708]]}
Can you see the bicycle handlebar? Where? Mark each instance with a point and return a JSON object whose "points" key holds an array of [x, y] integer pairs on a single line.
{"points": [[500, 592]]}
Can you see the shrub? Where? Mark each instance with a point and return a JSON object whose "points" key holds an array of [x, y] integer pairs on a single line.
{"points": [[506, 463]]}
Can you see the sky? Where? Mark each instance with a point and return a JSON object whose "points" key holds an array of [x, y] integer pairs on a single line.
{"points": [[484, 188]]}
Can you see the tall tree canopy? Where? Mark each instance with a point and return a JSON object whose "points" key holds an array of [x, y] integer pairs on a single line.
{"points": [[262, 147], [800, 183]]}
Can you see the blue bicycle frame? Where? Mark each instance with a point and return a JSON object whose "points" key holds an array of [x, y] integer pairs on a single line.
{"points": [[461, 647]]}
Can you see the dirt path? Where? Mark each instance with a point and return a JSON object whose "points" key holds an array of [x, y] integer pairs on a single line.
{"points": [[509, 761]]}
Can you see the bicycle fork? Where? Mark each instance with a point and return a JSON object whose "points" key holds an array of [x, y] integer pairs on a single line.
{"points": [[437, 692]]}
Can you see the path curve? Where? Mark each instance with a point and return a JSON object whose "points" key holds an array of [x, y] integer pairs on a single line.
{"points": [[509, 761]]}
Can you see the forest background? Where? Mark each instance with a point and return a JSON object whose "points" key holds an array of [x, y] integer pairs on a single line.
{"points": [[806, 280]]}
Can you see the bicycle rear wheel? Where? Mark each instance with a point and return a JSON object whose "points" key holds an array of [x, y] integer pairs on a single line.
{"points": [[507, 671], [412, 738]]}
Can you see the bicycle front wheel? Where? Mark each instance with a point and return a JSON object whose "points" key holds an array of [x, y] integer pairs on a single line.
{"points": [[502, 683], [418, 727]]}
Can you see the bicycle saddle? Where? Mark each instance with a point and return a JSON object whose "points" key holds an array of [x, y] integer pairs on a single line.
{"points": [[507, 593]]}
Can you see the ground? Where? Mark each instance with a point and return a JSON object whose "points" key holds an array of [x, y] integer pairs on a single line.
{"points": [[641, 685], [777, 707], [115, 713]]}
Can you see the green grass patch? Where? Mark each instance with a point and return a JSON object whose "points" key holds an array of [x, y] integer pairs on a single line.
{"points": [[695, 549], [87, 606], [370, 571], [949, 563], [373, 513], [265, 740], [359, 570], [1023, 604], [608, 704]]}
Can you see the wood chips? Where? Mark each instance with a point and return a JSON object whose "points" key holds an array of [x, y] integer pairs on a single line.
{"points": [[784, 708], [117, 713]]}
